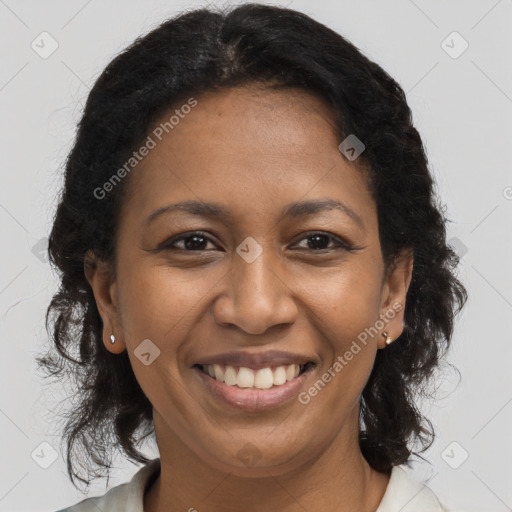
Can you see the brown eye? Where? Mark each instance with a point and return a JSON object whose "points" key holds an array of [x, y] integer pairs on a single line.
{"points": [[324, 242], [196, 241]]}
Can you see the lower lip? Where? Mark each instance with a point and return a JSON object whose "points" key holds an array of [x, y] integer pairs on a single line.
{"points": [[250, 399]]}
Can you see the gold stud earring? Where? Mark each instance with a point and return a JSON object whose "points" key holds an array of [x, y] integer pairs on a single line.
{"points": [[388, 338]]}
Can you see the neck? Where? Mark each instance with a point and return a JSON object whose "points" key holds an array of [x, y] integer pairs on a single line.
{"points": [[339, 480]]}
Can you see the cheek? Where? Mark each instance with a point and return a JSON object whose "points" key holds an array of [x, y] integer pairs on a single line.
{"points": [[346, 307], [157, 301], [160, 304], [345, 302]]}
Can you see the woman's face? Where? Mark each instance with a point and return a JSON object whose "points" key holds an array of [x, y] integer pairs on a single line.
{"points": [[273, 279]]}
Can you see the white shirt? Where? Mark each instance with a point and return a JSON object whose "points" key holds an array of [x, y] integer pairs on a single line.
{"points": [[402, 494]]}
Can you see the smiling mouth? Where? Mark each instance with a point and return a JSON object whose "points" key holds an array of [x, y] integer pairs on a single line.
{"points": [[254, 378]]}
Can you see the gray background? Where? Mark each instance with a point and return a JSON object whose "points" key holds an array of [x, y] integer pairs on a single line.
{"points": [[462, 107]]}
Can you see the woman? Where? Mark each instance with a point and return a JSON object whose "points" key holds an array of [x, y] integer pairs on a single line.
{"points": [[254, 271]]}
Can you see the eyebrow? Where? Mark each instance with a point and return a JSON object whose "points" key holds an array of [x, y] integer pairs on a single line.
{"points": [[293, 210]]}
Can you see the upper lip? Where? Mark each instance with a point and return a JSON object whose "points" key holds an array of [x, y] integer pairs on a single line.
{"points": [[257, 359]]}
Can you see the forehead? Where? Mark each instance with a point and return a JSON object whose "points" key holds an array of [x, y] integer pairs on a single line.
{"points": [[249, 147]]}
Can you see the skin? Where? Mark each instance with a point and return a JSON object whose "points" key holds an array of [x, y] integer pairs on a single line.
{"points": [[254, 151]]}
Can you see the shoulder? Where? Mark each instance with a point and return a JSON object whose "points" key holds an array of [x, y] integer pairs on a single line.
{"points": [[127, 497], [408, 495]]}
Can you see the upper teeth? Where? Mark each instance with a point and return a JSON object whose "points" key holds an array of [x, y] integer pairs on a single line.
{"points": [[243, 377]]}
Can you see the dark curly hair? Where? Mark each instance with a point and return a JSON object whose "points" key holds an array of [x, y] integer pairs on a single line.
{"points": [[205, 50]]}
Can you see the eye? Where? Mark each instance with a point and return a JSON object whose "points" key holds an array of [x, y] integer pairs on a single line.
{"points": [[196, 241], [317, 242]]}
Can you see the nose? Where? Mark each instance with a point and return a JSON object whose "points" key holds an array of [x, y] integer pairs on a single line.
{"points": [[256, 297]]}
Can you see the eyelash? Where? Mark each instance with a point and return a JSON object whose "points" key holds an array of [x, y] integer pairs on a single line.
{"points": [[168, 245]]}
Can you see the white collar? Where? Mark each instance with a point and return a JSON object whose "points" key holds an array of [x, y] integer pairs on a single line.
{"points": [[403, 493]]}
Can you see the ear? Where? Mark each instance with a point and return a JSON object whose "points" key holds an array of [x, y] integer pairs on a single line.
{"points": [[394, 291], [102, 280]]}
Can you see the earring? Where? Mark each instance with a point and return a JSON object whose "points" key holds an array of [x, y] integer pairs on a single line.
{"points": [[112, 338], [388, 337]]}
